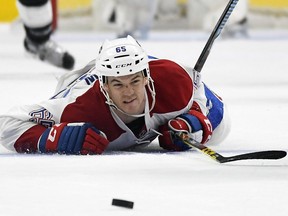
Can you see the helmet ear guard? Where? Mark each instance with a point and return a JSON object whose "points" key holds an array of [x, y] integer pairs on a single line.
{"points": [[145, 73], [104, 80]]}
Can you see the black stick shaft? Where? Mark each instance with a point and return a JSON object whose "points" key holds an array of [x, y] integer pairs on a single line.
{"points": [[215, 33]]}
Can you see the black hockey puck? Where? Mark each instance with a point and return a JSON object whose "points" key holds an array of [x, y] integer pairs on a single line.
{"points": [[123, 203]]}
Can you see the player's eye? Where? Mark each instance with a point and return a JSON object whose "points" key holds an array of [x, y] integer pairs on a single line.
{"points": [[117, 85], [135, 81]]}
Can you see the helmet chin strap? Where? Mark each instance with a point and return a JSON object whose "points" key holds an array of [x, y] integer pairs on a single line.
{"points": [[114, 106]]}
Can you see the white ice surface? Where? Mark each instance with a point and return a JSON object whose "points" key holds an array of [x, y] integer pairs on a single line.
{"points": [[250, 74]]}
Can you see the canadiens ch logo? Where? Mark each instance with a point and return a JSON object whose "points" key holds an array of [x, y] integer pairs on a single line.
{"points": [[42, 116]]}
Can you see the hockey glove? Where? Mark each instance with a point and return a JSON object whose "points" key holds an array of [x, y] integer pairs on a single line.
{"points": [[195, 123], [73, 138]]}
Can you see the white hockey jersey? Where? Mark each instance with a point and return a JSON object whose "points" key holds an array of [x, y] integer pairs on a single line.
{"points": [[78, 99]]}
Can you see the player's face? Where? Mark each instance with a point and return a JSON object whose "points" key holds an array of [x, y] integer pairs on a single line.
{"points": [[128, 92]]}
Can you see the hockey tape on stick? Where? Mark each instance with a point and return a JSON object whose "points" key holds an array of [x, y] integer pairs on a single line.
{"points": [[270, 154]]}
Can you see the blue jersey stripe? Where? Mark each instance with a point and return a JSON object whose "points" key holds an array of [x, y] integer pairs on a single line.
{"points": [[215, 106]]}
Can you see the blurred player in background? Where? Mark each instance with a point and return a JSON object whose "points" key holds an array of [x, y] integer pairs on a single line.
{"points": [[207, 13], [131, 17], [37, 18], [136, 17]]}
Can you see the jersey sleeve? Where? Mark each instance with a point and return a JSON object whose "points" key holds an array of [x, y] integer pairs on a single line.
{"points": [[21, 127], [14, 126]]}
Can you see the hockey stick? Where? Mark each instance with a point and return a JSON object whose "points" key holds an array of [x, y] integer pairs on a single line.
{"points": [[271, 154], [215, 33]]}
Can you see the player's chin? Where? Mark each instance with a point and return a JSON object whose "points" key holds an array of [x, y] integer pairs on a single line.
{"points": [[130, 109]]}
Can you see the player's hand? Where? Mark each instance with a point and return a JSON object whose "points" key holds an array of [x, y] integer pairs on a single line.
{"points": [[73, 138], [193, 123]]}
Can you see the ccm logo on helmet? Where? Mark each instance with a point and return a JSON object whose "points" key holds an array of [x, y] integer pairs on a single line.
{"points": [[123, 65]]}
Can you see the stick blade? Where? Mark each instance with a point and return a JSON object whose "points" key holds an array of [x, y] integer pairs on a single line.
{"points": [[270, 155], [273, 154]]}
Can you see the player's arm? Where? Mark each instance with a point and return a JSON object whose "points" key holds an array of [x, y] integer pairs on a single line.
{"points": [[63, 138], [26, 131]]}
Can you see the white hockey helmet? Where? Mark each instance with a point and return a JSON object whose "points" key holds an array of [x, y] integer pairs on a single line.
{"points": [[121, 57]]}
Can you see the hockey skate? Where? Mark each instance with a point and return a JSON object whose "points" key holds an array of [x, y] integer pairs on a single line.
{"points": [[50, 52]]}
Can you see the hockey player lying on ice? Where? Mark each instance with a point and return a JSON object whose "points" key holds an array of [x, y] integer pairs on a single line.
{"points": [[119, 101]]}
